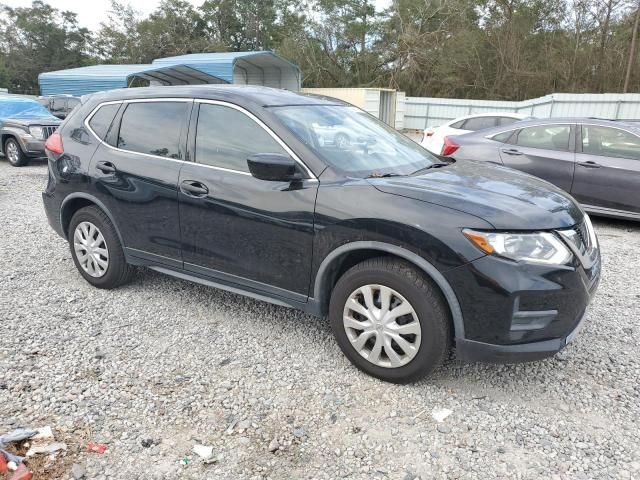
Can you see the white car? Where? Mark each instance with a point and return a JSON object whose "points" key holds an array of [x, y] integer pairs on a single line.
{"points": [[433, 139]]}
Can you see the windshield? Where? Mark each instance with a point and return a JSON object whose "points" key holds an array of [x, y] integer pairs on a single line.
{"points": [[21, 108], [353, 141]]}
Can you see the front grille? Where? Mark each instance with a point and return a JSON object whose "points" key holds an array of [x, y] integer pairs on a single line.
{"points": [[583, 242], [48, 131]]}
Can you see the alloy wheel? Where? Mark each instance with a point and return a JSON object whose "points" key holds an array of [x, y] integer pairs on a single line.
{"points": [[12, 152], [382, 326], [91, 249]]}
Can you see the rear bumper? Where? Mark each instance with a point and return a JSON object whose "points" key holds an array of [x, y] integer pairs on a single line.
{"points": [[473, 351]]}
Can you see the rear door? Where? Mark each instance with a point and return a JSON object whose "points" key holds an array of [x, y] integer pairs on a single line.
{"points": [[135, 172], [253, 233], [608, 168], [546, 151]]}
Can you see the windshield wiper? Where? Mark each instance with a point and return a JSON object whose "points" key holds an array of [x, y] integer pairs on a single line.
{"points": [[433, 165], [383, 175]]}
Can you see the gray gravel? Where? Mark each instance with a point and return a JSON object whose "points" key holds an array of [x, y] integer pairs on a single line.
{"points": [[160, 365]]}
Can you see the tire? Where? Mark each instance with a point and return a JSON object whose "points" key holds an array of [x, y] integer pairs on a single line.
{"points": [[430, 311], [117, 271], [14, 153], [341, 141]]}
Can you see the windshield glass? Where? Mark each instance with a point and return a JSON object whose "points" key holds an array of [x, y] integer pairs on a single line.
{"points": [[353, 141], [22, 108]]}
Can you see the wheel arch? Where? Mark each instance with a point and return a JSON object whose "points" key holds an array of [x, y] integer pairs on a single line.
{"points": [[74, 202], [347, 255]]}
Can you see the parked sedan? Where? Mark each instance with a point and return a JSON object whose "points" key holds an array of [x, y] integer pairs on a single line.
{"points": [[433, 139], [597, 161], [24, 127], [229, 187]]}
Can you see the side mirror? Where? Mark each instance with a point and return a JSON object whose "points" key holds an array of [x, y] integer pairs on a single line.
{"points": [[274, 167]]}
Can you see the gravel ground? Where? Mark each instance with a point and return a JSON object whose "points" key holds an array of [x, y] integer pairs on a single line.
{"points": [[157, 366]]}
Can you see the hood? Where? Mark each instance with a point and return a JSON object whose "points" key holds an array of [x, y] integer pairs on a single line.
{"points": [[508, 199], [27, 122]]}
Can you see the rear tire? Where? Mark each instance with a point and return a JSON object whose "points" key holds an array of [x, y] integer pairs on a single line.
{"points": [[13, 152], [425, 332], [96, 249]]}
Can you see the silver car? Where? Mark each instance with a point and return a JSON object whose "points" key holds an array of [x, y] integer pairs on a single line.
{"points": [[597, 161]]}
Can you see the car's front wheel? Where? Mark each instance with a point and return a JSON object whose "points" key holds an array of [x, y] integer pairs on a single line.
{"points": [[390, 320], [14, 153], [96, 249]]}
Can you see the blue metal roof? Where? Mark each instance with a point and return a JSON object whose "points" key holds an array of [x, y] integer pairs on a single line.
{"points": [[202, 67], [221, 64], [97, 78]]}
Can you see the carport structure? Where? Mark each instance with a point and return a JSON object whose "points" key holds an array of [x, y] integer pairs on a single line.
{"points": [[245, 68]]}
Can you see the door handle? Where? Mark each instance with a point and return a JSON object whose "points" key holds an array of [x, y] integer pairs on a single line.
{"points": [[106, 167], [511, 151], [194, 188], [589, 164]]}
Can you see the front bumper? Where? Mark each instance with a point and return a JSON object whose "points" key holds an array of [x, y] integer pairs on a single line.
{"points": [[515, 312], [471, 351]]}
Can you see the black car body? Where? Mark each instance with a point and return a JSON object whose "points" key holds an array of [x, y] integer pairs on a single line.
{"points": [[24, 127], [597, 161], [291, 237]]}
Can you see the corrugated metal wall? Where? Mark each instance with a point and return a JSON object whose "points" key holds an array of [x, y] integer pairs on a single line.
{"points": [[422, 112]]}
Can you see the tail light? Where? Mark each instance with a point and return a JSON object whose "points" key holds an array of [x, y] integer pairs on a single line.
{"points": [[449, 147], [54, 144], [429, 132]]}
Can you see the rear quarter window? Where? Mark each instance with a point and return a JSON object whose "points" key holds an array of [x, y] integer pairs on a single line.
{"points": [[101, 120]]}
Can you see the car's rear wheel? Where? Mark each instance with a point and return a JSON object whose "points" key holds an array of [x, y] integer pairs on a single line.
{"points": [[14, 153], [390, 320], [96, 249]]}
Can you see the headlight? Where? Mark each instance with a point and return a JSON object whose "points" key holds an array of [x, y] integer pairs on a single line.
{"points": [[541, 247], [37, 132]]}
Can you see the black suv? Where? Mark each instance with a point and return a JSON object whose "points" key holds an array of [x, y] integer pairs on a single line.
{"points": [[406, 253]]}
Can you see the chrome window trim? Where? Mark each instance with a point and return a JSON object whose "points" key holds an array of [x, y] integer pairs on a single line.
{"points": [[264, 126], [491, 135], [278, 140], [137, 100]]}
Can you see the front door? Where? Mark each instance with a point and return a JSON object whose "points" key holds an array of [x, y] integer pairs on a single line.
{"points": [[608, 169], [254, 233], [544, 151], [136, 176]]}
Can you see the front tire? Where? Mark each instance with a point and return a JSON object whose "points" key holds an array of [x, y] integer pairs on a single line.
{"points": [[14, 153], [390, 320], [96, 249]]}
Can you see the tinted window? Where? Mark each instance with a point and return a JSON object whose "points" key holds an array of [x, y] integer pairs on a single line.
{"points": [[457, 124], [153, 128], [506, 121], [548, 137], [610, 142], [102, 119], [479, 123], [225, 138], [502, 137]]}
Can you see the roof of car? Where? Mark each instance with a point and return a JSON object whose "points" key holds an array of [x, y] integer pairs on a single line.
{"points": [[241, 94], [635, 127]]}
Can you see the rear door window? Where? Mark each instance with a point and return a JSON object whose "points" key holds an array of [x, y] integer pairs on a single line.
{"points": [[226, 137], [457, 124], [547, 137], [153, 128], [479, 123], [101, 120], [610, 142]]}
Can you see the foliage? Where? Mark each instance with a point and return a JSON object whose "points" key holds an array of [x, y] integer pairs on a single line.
{"points": [[501, 49]]}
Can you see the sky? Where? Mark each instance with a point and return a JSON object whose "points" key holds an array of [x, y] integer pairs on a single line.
{"points": [[92, 12]]}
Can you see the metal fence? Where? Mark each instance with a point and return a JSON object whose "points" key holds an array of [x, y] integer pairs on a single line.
{"points": [[422, 112]]}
